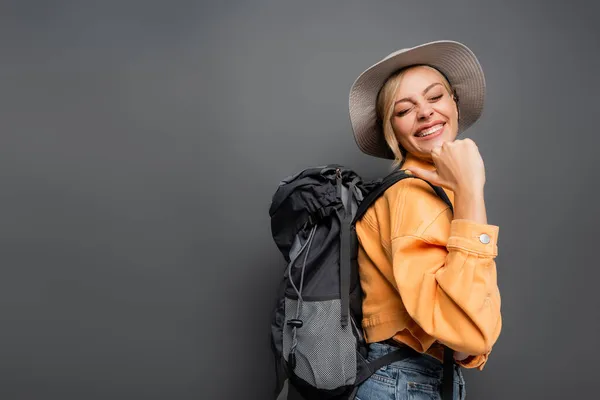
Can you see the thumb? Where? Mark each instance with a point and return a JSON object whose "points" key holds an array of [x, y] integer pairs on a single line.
{"points": [[430, 176]]}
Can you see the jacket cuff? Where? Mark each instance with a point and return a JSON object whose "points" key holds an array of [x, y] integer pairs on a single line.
{"points": [[474, 237], [474, 362]]}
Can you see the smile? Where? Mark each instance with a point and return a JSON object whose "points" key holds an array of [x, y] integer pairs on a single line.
{"points": [[430, 131]]}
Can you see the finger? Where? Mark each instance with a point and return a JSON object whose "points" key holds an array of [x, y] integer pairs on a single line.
{"points": [[429, 176]]}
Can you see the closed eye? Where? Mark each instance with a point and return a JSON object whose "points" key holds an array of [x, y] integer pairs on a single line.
{"points": [[402, 112]]}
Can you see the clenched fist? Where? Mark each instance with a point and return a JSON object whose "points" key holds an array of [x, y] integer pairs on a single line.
{"points": [[459, 167]]}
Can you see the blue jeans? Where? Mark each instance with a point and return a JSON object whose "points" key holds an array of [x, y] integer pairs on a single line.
{"points": [[415, 378]]}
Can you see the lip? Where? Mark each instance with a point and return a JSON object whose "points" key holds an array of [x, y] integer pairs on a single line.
{"points": [[429, 125], [434, 135]]}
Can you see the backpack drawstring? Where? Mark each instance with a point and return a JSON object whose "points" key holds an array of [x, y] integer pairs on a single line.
{"points": [[297, 322]]}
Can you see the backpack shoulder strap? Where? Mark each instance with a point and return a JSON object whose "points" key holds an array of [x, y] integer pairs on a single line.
{"points": [[385, 184]]}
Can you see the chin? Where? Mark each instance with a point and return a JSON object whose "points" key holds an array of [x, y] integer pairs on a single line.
{"points": [[432, 144], [444, 139]]}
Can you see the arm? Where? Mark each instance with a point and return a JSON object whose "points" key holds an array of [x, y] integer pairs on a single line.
{"points": [[451, 291], [459, 167]]}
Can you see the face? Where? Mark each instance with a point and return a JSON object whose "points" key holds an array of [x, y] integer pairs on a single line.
{"points": [[425, 114]]}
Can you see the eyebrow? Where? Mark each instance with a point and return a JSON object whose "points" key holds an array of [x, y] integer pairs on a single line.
{"points": [[424, 91]]}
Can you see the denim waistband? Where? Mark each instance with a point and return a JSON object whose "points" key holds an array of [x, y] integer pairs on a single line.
{"points": [[423, 363]]}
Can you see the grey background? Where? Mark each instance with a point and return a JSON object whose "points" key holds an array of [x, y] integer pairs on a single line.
{"points": [[141, 143]]}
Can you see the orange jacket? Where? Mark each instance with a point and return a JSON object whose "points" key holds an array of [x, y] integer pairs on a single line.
{"points": [[428, 279]]}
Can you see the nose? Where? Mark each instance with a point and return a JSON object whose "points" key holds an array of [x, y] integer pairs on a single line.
{"points": [[425, 111]]}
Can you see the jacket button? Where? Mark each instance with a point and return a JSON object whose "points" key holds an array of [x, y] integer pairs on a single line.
{"points": [[484, 238]]}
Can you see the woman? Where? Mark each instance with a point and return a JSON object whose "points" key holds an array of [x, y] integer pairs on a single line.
{"points": [[427, 270]]}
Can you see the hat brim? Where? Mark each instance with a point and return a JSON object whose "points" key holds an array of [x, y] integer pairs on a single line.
{"points": [[453, 59]]}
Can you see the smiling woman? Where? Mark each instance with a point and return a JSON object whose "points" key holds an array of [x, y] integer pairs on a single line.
{"points": [[427, 269], [399, 109]]}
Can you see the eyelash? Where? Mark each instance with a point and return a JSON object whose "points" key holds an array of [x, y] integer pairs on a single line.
{"points": [[403, 112]]}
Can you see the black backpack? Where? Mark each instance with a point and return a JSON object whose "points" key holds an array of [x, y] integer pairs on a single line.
{"points": [[316, 333]]}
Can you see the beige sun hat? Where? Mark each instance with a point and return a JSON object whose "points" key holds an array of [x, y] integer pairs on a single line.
{"points": [[453, 59]]}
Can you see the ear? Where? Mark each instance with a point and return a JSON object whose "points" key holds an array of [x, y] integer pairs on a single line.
{"points": [[455, 98]]}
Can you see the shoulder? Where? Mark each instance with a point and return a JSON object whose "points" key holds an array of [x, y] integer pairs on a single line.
{"points": [[414, 190], [414, 207]]}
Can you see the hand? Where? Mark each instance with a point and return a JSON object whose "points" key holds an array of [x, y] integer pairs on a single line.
{"points": [[459, 356], [459, 167]]}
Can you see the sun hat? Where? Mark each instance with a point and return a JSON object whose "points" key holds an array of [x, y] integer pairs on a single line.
{"points": [[453, 59]]}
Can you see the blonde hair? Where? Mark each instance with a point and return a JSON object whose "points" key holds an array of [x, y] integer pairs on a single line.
{"points": [[385, 109]]}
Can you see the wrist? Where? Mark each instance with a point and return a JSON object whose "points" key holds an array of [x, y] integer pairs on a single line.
{"points": [[469, 191], [470, 204]]}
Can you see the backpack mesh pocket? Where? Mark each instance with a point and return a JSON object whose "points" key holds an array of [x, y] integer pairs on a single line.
{"points": [[325, 351]]}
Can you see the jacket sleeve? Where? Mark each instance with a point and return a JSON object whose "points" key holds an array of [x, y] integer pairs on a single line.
{"points": [[448, 284]]}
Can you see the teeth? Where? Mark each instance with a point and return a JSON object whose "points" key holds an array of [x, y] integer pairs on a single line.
{"points": [[429, 131]]}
